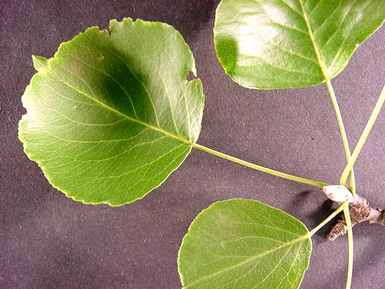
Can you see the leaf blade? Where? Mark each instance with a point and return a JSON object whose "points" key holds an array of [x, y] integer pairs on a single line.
{"points": [[101, 121], [288, 44], [227, 242]]}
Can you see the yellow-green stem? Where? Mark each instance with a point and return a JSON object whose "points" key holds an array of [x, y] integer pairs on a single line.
{"points": [[260, 168], [363, 137], [327, 220], [350, 244], [343, 133]]}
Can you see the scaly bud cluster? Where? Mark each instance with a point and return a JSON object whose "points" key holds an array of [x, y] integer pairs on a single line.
{"points": [[359, 209]]}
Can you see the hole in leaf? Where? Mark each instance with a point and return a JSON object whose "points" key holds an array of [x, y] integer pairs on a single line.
{"points": [[191, 76]]}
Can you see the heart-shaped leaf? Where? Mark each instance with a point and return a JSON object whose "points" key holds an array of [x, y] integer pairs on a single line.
{"points": [[113, 114], [244, 244], [272, 44]]}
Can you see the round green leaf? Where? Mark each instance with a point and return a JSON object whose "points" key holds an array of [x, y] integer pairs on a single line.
{"points": [[113, 114], [244, 244], [272, 44]]}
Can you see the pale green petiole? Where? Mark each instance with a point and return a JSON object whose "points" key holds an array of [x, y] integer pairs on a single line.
{"points": [[350, 244], [327, 220], [342, 131], [363, 137], [344, 207], [260, 168]]}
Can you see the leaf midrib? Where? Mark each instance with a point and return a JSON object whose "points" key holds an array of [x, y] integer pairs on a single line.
{"points": [[295, 241], [103, 105], [313, 41]]}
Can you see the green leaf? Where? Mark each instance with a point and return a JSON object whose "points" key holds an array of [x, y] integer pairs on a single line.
{"points": [[244, 244], [272, 44], [113, 114]]}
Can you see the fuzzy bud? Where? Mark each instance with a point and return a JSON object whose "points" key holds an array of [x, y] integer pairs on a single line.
{"points": [[337, 193]]}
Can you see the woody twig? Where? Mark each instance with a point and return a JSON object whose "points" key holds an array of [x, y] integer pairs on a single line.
{"points": [[359, 209]]}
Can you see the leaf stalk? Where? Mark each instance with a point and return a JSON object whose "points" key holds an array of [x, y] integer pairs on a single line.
{"points": [[363, 137], [327, 220], [350, 244], [259, 168], [343, 133]]}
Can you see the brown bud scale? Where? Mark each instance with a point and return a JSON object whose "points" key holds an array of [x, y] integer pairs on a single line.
{"points": [[360, 211]]}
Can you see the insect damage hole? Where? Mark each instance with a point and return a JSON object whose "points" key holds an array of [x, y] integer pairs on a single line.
{"points": [[191, 76]]}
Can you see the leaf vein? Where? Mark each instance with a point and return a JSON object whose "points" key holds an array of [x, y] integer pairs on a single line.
{"points": [[134, 74], [251, 259]]}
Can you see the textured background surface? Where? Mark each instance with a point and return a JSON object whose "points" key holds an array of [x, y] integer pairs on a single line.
{"points": [[49, 241]]}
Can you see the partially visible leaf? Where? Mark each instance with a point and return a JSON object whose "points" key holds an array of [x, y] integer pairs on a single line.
{"points": [[244, 244], [270, 44], [113, 114]]}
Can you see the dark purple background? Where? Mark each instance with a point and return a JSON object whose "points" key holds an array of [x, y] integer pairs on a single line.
{"points": [[49, 241]]}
